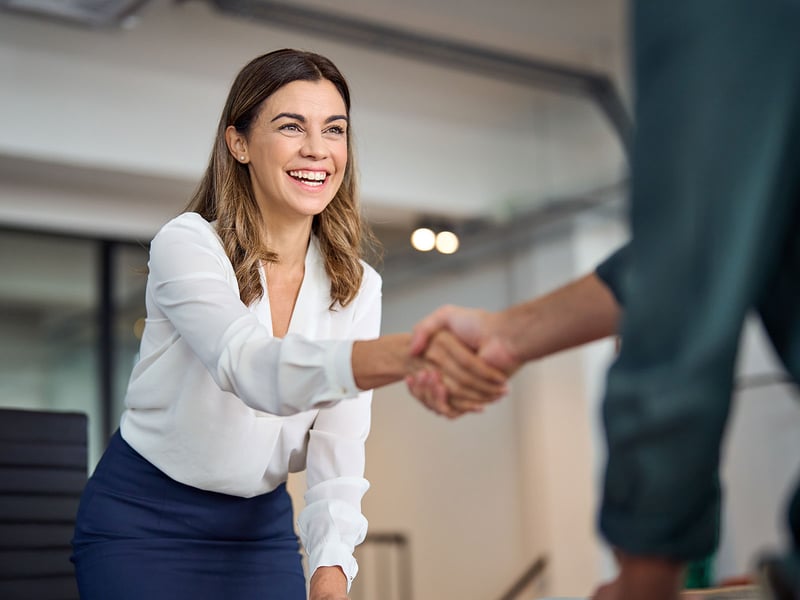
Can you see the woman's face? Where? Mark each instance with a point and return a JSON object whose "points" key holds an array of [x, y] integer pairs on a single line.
{"points": [[297, 149]]}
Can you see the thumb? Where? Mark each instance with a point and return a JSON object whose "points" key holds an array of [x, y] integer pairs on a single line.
{"points": [[495, 353], [422, 332], [420, 336]]}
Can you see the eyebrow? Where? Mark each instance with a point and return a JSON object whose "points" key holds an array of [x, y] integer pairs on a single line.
{"points": [[302, 119]]}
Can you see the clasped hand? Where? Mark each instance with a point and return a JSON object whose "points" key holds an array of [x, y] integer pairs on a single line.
{"points": [[463, 364]]}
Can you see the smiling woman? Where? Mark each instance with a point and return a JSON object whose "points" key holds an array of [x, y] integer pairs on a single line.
{"points": [[260, 340], [296, 152]]}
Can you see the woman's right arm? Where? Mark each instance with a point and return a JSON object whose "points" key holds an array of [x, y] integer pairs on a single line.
{"points": [[459, 375], [192, 283]]}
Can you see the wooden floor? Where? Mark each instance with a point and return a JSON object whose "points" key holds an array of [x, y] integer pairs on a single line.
{"points": [[738, 592]]}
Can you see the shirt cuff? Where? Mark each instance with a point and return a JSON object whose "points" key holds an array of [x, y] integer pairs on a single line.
{"points": [[330, 528], [339, 368], [334, 555]]}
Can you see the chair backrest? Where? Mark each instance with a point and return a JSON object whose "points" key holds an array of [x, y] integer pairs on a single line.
{"points": [[43, 469]]}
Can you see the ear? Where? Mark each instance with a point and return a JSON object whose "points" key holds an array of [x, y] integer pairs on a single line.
{"points": [[237, 145]]}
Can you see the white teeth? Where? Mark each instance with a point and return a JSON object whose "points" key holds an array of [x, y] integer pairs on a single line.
{"points": [[309, 176]]}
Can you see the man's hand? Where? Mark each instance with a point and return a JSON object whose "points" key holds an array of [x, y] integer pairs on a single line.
{"points": [[582, 311], [452, 379], [643, 578], [328, 583], [478, 331]]}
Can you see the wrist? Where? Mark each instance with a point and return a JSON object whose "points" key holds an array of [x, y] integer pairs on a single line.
{"points": [[328, 582], [660, 577], [382, 361], [511, 329]]}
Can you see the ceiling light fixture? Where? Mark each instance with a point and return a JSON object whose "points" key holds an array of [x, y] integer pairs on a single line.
{"points": [[435, 233], [447, 242], [423, 239]]}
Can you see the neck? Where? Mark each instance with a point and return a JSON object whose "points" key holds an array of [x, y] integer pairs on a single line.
{"points": [[289, 240]]}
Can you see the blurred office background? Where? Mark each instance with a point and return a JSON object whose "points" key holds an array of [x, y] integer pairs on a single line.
{"points": [[504, 122]]}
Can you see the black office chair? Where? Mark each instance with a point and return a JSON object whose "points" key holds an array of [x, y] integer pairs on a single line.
{"points": [[43, 470]]}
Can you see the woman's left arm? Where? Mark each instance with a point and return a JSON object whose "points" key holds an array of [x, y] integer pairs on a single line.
{"points": [[332, 525]]}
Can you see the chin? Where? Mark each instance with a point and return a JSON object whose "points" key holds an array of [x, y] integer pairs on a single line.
{"points": [[312, 209]]}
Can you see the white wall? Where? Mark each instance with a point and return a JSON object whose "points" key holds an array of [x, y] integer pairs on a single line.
{"points": [[481, 498], [135, 110], [452, 486]]}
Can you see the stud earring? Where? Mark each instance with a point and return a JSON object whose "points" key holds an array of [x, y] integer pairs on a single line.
{"points": [[241, 158]]}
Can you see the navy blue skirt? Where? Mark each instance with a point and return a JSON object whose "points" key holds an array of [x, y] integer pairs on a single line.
{"points": [[142, 535]]}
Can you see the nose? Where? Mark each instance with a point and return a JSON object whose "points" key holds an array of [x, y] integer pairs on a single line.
{"points": [[314, 146]]}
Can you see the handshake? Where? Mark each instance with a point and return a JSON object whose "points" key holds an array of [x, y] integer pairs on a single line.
{"points": [[455, 361], [462, 360]]}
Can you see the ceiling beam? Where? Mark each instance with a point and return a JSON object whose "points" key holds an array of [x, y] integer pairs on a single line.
{"points": [[595, 86]]}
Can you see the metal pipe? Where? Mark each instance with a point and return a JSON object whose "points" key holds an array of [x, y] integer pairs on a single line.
{"points": [[488, 62]]}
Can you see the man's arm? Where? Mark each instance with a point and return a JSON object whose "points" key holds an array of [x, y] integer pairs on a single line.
{"points": [[581, 311], [647, 578]]}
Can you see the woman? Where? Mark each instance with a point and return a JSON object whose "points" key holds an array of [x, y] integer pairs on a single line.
{"points": [[245, 371]]}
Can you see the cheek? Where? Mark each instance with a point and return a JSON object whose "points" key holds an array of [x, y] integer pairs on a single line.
{"points": [[340, 158]]}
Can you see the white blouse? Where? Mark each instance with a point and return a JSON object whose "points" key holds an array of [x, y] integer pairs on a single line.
{"points": [[218, 403]]}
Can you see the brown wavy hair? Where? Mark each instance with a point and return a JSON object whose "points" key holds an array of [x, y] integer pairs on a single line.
{"points": [[225, 193]]}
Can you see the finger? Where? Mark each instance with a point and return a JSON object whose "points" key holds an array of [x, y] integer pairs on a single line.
{"points": [[465, 406], [469, 360], [426, 387], [464, 369], [461, 378], [422, 332], [414, 387], [420, 389], [463, 385], [438, 395], [465, 401]]}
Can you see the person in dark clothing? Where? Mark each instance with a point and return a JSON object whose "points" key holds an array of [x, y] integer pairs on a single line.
{"points": [[715, 223]]}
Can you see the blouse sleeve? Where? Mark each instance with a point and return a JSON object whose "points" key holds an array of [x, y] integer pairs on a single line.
{"points": [[190, 282], [332, 525]]}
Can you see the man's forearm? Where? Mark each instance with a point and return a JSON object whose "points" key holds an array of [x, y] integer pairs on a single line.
{"points": [[581, 311]]}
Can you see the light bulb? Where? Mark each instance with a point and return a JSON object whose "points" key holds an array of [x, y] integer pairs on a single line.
{"points": [[446, 242], [423, 239]]}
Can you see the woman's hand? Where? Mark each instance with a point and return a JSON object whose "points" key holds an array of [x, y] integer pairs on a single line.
{"points": [[453, 380], [448, 377], [328, 583]]}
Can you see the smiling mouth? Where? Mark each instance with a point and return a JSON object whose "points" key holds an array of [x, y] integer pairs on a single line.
{"points": [[312, 178]]}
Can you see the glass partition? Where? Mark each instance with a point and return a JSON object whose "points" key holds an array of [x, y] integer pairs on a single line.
{"points": [[51, 320]]}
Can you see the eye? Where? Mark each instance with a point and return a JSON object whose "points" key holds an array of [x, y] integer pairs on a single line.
{"points": [[293, 127], [336, 130]]}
